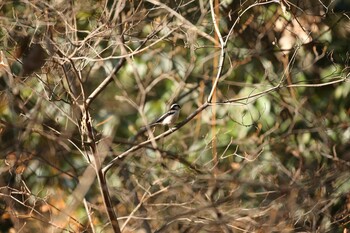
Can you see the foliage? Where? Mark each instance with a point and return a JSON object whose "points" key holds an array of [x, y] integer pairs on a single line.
{"points": [[262, 143]]}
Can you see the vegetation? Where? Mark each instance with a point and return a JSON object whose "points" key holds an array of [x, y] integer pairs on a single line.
{"points": [[263, 139]]}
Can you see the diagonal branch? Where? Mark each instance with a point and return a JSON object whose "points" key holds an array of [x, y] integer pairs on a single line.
{"points": [[105, 82], [165, 134]]}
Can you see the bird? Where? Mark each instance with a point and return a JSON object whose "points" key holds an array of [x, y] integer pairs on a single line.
{"points": [[168, 118]]}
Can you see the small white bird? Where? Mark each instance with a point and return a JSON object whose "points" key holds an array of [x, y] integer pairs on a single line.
{"points": [[168, 118]]}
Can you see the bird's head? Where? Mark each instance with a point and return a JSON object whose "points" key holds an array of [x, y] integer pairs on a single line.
{"points": [[175, 107]]}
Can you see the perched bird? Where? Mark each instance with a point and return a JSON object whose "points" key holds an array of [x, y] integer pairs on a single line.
{"points": [[168, 118]]}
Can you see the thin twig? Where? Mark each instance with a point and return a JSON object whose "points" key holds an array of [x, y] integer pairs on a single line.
{"points": [[223, 43], [88, 213], [183, 20]]}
